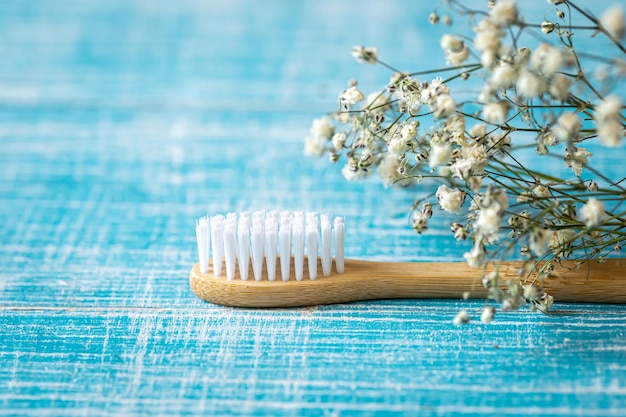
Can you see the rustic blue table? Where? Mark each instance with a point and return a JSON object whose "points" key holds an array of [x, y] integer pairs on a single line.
{"points": [[122, 121]]}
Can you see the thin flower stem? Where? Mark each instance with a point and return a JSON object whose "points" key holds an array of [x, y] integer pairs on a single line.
{"points": [[599, 24], [471, 67]]}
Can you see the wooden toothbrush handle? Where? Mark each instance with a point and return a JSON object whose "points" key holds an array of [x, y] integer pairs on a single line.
{"points": [[591, 282], [364, 280]]}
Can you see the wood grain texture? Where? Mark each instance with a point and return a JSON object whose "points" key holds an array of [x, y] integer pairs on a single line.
{"points": [[121, 121], [365, 280]]}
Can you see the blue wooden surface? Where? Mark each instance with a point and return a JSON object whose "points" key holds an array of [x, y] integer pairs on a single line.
{"points": [[121, 121]]}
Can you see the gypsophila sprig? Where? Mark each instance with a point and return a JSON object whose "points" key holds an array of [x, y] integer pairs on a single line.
{"points": [[534, 89]]}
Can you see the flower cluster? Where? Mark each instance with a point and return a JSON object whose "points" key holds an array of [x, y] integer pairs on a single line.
{"points": [[537, 91]]}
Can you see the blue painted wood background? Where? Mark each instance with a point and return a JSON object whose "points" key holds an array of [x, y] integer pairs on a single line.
{"points": [[122, 121]]}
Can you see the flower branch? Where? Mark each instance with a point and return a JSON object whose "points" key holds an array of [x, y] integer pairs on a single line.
{"points": [[534, 88]]}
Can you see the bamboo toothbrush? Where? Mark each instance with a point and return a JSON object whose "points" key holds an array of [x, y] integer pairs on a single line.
{"points": [[302, 278]]}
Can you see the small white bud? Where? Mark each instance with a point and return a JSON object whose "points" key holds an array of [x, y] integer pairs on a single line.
{"points": [[547, 27], [613, 21], [462, 317], [487, 315], [592, 213], [365, 55]]}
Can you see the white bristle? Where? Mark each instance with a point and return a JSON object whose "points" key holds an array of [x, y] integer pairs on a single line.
{"points": [[312, 220], [339, 244], [231, 222], [217, 241], [243, 247], [235, 239], [258, 243], [271, 237], [297, 237], [202, 238], [230, 249], [312, 245], [242, 222], [231, 218], [258, 214], [326, 251], [284, 243]]}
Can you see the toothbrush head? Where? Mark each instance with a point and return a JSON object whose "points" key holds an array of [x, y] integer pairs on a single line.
{"points": [[260, 239]]}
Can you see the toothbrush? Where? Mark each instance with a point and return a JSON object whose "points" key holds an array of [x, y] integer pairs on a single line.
{"points": [[301, 244]]}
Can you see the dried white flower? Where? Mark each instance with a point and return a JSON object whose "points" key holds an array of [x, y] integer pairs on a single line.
{"points": [[488, 35], [388, 170], [577, 160], [451, 43], [420, 221], [408, 131], [478, 131], [367, 55], [433, 91], [459, 57], [463, 169], [547, 27], [496, 113], [474, 183], [472, 162], [314, 146], [343, 117], [440, 154], [397, 146], [511, 304], [613, 21], [455, 126], [608, 121], [541, 191], [611, 132], [504, 12], [488, 222], [339, 140], [546, 59], [539, 240], [592, 213], [561, 240], [559, 86], [503, 76], [351, 96], [487, 314], [476, 257], [521, 57], [377, 101], [450, 199], [462, 317], [352, 172], [444, 106], [547, 302], [322, 128], [567, 126], [532, 292], [529, 85], [608, 109], [488, 57]]}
